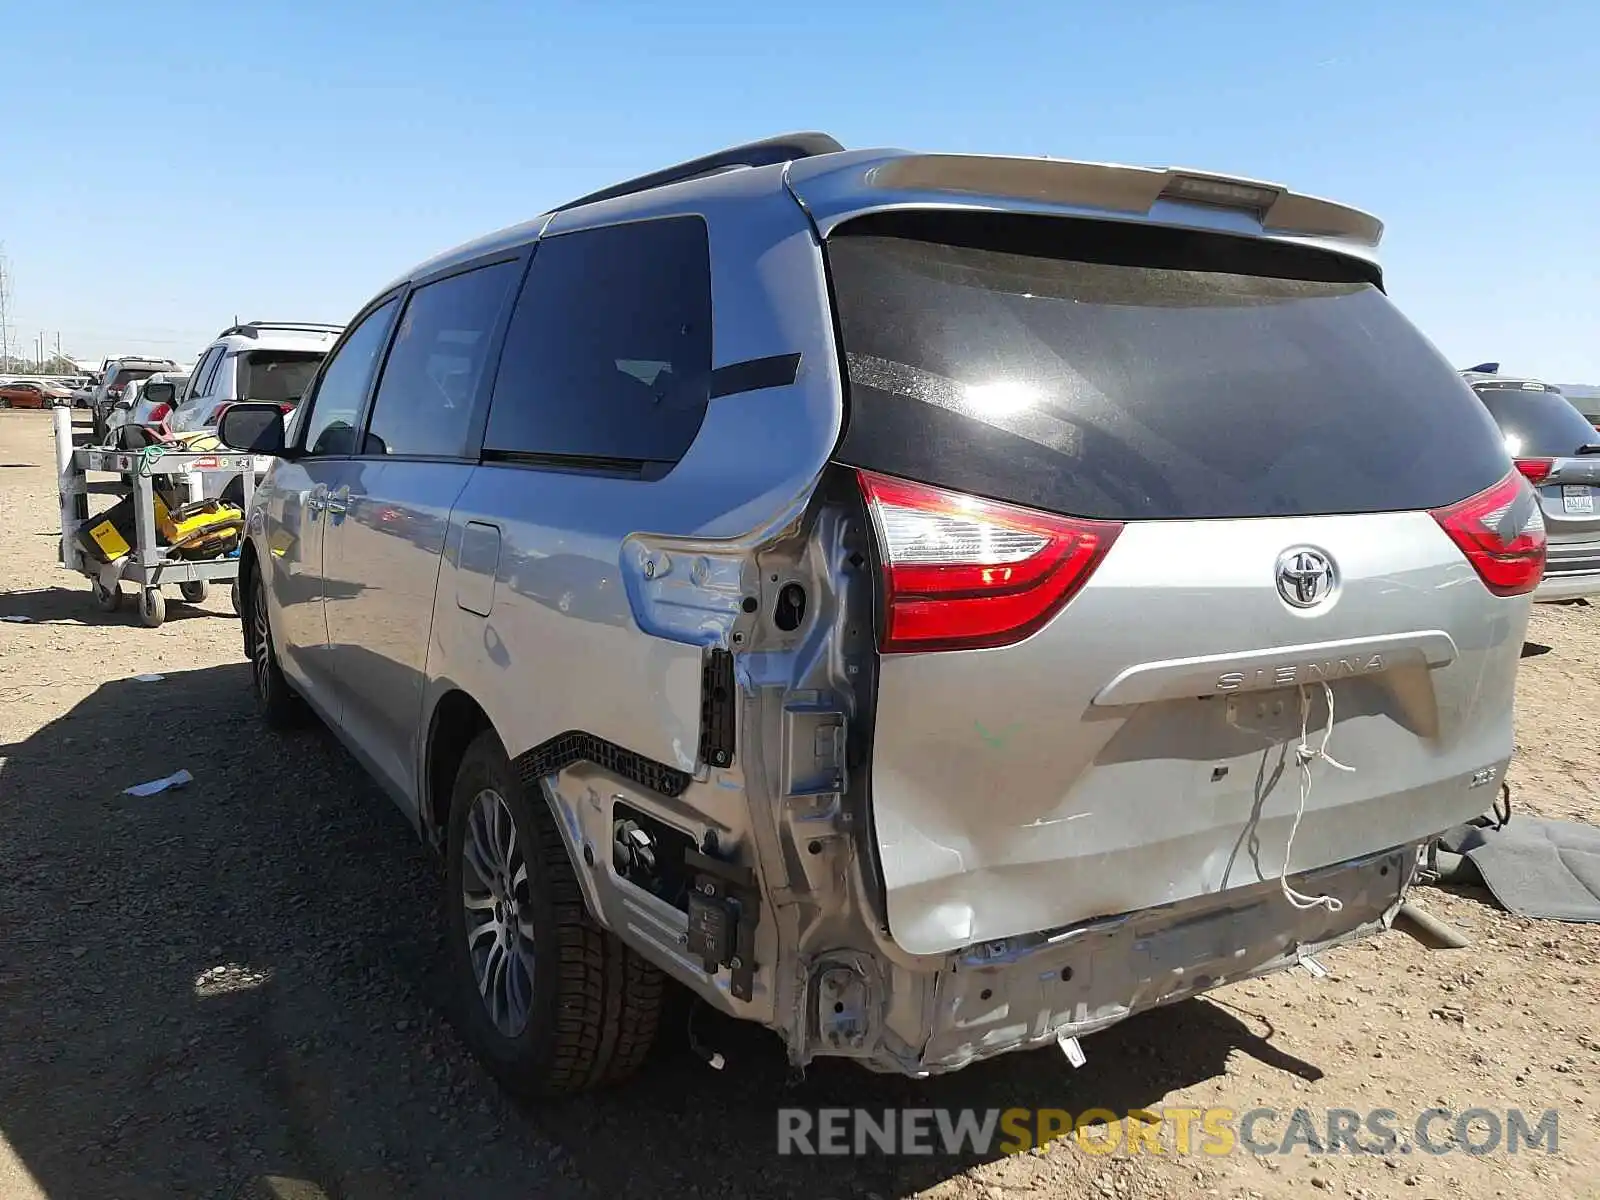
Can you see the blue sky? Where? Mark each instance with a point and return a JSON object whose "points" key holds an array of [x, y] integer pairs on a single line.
{"points": [[174, 164]]}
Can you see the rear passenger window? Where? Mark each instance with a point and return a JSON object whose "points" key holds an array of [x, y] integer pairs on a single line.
{"points": [[431, 378], [608, 354]]}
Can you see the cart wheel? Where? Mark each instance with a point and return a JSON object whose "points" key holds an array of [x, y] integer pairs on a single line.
{"points": [[233, 599], [106, 599], [193, 592], [152, 608]]}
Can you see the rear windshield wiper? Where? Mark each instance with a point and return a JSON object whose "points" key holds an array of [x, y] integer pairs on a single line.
{"points": [[1589, 448]]}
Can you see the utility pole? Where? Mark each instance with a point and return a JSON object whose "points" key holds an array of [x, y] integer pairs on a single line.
{"points": [[5, 304], [59, 359]]}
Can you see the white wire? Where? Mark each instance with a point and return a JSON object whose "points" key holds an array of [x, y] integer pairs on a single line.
{"points": [[1305, 756]]}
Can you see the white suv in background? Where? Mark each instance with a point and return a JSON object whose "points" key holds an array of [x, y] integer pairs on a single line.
{"points": [[271, 361], [259, 360]]}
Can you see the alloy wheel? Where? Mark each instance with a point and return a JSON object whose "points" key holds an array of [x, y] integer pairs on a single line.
{"points": [[496, 901], [260, 640]]}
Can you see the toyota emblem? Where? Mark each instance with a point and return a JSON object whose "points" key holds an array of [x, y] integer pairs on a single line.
{"points": [[1305, 577]]}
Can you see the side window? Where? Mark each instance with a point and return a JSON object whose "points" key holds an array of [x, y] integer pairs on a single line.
{"points": [[220, 386], [191, 388], [200, 382], [430, 380], [343, 387], [608, 354]]}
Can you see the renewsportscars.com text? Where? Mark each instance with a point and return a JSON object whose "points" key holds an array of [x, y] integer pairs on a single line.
{"points": [[1180, 1131]]}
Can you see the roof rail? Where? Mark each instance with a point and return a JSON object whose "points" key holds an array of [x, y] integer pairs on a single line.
{"points": [[764, 153], [254, 328]]}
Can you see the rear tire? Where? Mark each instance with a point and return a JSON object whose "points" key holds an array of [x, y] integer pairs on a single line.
{"points": [[279, 706], [588, 1005]]}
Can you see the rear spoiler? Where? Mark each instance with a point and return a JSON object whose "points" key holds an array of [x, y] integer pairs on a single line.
{"points": [[839, 186]]}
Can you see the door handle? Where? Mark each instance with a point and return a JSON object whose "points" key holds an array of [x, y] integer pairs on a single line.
{"points": [[317, 500], [339, 503]]}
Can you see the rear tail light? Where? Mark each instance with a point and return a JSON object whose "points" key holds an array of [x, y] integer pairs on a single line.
{"points": [[216, 414], [961, 573], [1535, 470], [158, 414], [1501, 531]]}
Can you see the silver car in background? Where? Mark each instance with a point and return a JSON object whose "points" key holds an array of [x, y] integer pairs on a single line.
{"points": [[1558, 450], [931, 605], [145, 403]]}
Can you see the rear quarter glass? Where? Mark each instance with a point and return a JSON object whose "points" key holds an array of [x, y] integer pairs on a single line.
{"points": [[1126, 373]]}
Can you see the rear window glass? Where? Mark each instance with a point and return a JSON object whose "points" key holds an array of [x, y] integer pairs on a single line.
{"points": [[1537, 423], [278, 376], [1140, 386]]}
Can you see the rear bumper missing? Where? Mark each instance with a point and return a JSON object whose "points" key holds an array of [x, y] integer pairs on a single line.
{"points": [[1030, 991]]}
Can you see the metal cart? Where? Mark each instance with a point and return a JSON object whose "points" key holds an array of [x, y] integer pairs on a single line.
{"points": [[147, 563]]}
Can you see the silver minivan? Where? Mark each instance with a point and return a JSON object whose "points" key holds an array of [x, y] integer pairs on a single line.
{"points": [[931, 605]]}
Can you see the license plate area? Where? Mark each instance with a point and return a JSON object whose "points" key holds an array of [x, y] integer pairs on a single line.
{"points": [[1272, 714], [1209, 938], [1578, 500]]}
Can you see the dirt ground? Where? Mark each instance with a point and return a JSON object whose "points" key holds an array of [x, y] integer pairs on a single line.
{"points": [[233, 990]]}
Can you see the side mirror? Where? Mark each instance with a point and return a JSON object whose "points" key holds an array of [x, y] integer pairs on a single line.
{"points": [[160, 393], [254, 428]]}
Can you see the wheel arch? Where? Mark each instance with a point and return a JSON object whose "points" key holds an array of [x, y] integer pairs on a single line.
{"points": [[456, 719]]}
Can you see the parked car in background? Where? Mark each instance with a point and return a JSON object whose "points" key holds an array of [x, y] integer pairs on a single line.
{"points": [[889, 651], [1558, 450], [119, 372], [34, 393], [83, 395], [148, 402], [271, 361]]}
